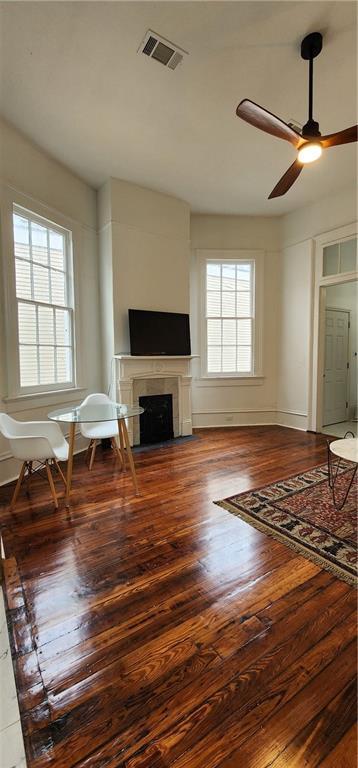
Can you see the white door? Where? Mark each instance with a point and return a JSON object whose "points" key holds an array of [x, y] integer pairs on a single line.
{"points": [[336, 366]]}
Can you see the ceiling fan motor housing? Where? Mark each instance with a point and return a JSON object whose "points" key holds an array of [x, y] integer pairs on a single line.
{"points": [[311, 129]]}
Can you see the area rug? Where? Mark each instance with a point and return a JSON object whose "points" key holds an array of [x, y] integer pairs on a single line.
{"points": [[299, 512]]}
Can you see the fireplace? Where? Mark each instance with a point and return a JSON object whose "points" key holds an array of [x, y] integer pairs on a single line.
{"points": [[150, 387], [156, 423], [137, 376]]}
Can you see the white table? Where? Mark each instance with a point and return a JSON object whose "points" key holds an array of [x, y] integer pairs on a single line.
{"points": [[346, 449]]}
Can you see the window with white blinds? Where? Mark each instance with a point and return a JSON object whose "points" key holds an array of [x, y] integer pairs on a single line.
{"points": [[44, 296], [230, 317]]}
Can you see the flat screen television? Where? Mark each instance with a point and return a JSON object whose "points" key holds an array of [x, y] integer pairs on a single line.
{"points": [[158, 333]]}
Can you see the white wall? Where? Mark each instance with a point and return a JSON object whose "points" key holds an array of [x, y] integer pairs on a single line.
{"points": [[284, 395], [150, 256], [218, 402], [345, 296], [294, 334], [328, 213], [32, 179], [145, 262], [298, 232]]}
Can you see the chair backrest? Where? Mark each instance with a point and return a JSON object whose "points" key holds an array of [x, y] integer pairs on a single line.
{"points": [[9, 427], [28, 440], [96, 399], [101, 428]]}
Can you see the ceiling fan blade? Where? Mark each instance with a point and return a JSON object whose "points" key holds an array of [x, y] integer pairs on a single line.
{"points": [[287, 180], [341, 137], [266, 121]]}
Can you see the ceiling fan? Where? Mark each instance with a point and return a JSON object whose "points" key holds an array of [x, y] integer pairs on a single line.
{"points": [[310, 143]]}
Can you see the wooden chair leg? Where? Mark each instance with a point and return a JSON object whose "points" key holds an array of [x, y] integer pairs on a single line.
{"points": [[116, 450], [51, 483], [59, 470], [88, 450], [28, 476], [92, 454], [18, 486]]}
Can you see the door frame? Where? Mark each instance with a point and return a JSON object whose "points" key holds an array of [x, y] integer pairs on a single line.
{"points": [[315, 415], [347, 312]]}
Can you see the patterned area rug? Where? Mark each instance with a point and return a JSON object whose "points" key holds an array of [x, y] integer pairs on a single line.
{"points": [[300, 513]]}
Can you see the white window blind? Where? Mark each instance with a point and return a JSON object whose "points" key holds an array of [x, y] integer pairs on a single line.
{"points": [[43, 272], [229, 317]]}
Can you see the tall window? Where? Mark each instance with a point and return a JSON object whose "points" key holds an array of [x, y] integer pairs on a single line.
{"points": [[44, 297], [230, 317]]}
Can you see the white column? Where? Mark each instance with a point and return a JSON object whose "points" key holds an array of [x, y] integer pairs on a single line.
{"points": [[186, 412]]}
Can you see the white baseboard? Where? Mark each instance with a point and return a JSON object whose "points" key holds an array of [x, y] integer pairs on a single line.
{"points": [[234, 418], [249, 417], [290, 426], [292, 419]]}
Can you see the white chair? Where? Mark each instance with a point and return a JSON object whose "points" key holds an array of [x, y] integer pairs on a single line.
{"points": [[40, 441], [100, 430]]}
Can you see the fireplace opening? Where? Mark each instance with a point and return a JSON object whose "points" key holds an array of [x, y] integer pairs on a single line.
{"points": [[156, 423]]}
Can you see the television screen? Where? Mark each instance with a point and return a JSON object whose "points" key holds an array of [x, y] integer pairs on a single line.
{"points": [[158, 333]]}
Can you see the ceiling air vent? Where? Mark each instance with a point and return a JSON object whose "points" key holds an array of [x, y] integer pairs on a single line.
{"points": [[161, 50]]}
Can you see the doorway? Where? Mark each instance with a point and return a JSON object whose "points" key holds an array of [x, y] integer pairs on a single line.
{"points": [[339, 397], [335, 281]]}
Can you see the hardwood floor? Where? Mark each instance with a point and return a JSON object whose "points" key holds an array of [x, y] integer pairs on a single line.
{"points": [[160, 630]]}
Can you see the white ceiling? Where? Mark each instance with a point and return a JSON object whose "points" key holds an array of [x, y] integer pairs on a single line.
{"points": [[73, 82]]}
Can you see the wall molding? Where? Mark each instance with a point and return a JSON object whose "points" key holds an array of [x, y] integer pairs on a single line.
{"points": [[323, 233], [38, 400], [290, 426], [246, 417], [270, 409], [234, 410], [229, 381], [91, 228], [6, 455]]}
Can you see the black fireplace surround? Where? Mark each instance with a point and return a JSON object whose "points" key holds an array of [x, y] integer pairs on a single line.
{"points": [[156, 423]]}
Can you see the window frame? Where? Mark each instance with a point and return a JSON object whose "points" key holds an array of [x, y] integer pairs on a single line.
{"points": [[24, 208], [334, 237], [340, 271], [256, 258]]}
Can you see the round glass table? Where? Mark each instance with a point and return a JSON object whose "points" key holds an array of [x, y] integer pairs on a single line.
{"points": [[98, 413]]}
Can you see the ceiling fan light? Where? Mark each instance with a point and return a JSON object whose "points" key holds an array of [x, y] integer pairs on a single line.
{"points": [[309, 153]]}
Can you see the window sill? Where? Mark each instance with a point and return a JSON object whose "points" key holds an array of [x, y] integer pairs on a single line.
{"points": [[229, 381], [38, 399]]}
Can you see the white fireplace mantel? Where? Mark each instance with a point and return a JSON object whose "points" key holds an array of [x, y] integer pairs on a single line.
{"points": [[131, 368]]}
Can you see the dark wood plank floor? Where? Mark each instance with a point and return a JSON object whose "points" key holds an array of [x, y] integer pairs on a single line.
{"points": [[162, 631]]}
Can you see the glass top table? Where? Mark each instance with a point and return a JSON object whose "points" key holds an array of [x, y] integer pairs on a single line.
{"points": [[95, 413], [90, 413]]}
